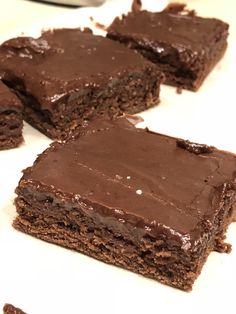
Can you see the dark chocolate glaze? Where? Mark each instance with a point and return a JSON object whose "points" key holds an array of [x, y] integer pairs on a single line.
{"points": [[170, 33], [8, 100], [134, 179], [62, 61]]}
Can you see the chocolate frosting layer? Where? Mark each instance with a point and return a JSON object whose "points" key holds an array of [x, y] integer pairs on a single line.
{"points": [[8, 100], [136, 177], [166, 32], [62, 61]]}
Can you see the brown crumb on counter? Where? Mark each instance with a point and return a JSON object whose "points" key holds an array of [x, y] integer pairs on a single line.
{"points": [[179, 8], [10, 309], [136, 6], [97, 24], [179, 90]]}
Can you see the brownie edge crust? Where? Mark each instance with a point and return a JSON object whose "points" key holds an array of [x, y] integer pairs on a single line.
{"points": [[127, 207]]}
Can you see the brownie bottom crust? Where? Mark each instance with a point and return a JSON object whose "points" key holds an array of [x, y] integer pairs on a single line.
{"points": [[11, 124], [158, 259]]}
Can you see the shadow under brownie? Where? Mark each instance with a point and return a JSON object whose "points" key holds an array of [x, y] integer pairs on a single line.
{"points": [[67, 76], [150, 203], [11, 118], [183, 46]]}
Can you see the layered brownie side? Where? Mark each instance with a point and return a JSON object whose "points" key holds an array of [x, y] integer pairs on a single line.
{"points": [[11, 119], [183, 46], [157, 207], [67, 76]]}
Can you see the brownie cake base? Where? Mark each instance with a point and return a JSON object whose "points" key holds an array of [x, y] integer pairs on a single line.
{"points": [[11, 124], [129, 94], [150, 258], [11, 120], [185, 78]]}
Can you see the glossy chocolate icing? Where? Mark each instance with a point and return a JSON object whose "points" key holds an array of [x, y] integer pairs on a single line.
{"points": [[134, 179], [170, 33], [62, 62], [8, 100]]}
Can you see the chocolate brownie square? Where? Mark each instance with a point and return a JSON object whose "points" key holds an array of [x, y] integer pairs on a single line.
{"points": [[11, 119], [153, 204], [67, 76], [183, 46]]}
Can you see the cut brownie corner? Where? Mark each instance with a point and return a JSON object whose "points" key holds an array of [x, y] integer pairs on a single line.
{"points": [[11, 143], [184, 46], [226, 196], [11, 118]]}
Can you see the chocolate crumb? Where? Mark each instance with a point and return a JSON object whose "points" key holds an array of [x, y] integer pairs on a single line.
{"points": [[136, 6], [97, 24], [133, 119], [179, 8], [192, 13], [10, 309], [179, 90]]}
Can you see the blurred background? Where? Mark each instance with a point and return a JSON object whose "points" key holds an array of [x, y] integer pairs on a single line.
{"points": [[21, 13]]}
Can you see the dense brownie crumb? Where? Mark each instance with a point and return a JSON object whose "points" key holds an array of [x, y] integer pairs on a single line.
{"points": [[67, 76], [11, 119], [10, 309], [157, 207], [183, 46]]}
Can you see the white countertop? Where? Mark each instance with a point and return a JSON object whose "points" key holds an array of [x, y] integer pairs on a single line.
{"points": [[46, 279]]}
